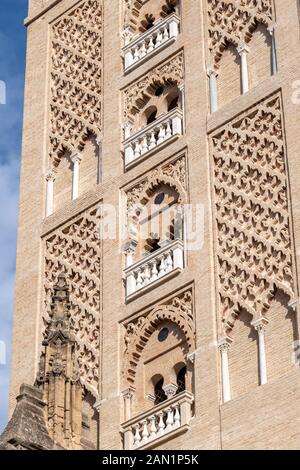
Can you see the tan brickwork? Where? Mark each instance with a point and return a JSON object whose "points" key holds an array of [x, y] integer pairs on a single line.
{"points": [[227, 291]]}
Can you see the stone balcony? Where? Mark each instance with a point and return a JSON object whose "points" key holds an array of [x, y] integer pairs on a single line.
{"points": [[164, 421], [166, 128], [163, 263], [145, 45]]}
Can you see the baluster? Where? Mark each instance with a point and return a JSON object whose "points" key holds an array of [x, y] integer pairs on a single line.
{"points": [[168, 130], [162, 266], [153, 429], [170, 419], [139, 280], [152, 142], [158, 39], [137, 150], [161, 135], [176, 416], [161, 424], [143, 50], [136, 54], [145, 433], [137, 435], [154, 272], [169, 263], [166, 33], [146, 275], [144, 145], [151, 44]]}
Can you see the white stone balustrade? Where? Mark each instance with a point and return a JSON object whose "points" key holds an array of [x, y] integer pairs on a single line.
{"points": [[163, 129], [170, 416], [144, 45], [155, 266]]}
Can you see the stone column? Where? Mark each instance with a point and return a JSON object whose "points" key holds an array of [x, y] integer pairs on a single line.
{"points": [[259, 326], [76, 159], [128, 394], [243, 50], [129, 250], [213, 89], [271, 30], [224, 345], [178, 260], [50, 178], [182, 105]]}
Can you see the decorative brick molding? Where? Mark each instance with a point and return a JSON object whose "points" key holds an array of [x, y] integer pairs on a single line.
{"points": [[75, 250], [76, 79], [138, 94], [172, 174], [178, 310], [254, 253], [234, 21]]}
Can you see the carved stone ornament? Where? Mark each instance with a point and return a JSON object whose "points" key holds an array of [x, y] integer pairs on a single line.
{"points": [[233, 21], [254, 254], [137, 95], [172, 174], [75, 250], [76, 78], [58, 371], [178, 310]]}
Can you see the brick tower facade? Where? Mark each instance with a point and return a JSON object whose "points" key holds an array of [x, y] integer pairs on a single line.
{"points": [[133, 332]]}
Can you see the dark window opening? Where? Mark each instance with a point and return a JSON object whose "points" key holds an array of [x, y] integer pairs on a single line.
{"points": [[163, 334], [174, 103], [152, 117], [181, 380], [170, 7], [153, 245], [149, 22], [159, 394], [159, 91], [159, 199]]}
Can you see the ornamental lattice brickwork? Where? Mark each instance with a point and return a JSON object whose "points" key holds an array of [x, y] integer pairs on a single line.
{"points": [[156, 297]]}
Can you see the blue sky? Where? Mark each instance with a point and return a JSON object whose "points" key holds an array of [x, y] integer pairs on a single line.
{"points": [[12, 66]]}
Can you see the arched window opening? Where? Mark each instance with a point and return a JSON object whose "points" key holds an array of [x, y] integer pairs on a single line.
{"points": [[159, 91], [152, 117], [151, 114], [152, 245], [169, 8], [159, 393], [147, 23], [174, 103], [181, 380]]}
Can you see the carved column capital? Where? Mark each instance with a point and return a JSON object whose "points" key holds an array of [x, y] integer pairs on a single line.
{"points": [[127, 35], [128, 393], [260, 324], [243, 48], [50, 175], [130, 246], [224, 344], [170, 390], [191, 357], [293, 303], [76, 158], [211, 71], [271, 29]]}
